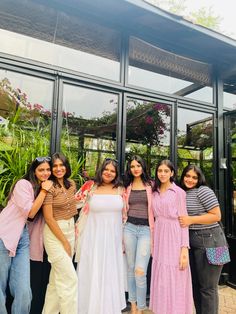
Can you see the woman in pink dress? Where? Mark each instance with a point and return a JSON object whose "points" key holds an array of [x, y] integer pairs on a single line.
{"points": [[171, 290]]}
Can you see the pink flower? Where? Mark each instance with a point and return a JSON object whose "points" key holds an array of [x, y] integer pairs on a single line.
{"points": [[149, 120]]}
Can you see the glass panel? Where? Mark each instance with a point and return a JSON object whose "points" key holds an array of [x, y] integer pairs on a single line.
{"points": [[232, 168], [203, 94], [195, 141], [148, 131], [25, 120], [89, 126], [153, 68], [58, 38], [229, 101]]}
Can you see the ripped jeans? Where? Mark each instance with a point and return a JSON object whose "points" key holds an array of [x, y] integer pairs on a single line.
{"points": [[137, 241]]}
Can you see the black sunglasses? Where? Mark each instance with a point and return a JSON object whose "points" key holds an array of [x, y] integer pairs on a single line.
{"points": [[42, 159], [111, 159]]}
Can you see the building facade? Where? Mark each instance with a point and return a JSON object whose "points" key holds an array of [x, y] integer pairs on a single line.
{"points": [[114, 78]]}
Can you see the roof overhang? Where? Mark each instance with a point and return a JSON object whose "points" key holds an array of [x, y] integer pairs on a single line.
{"points": [[160, 28]]}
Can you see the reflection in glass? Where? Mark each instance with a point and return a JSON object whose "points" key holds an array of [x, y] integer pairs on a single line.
{"points": [[229, 101], [153, 68], [25, 119], [155, 81], [195, 141], [59, 38], [232, 168], [203, 94], [148, 131], [89, 126]]}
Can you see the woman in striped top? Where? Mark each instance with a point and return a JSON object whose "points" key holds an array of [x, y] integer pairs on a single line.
{"points": [[59, 209], [204, 231]]}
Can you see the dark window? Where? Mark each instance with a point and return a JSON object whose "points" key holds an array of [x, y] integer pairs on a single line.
{"points": [[148, 131], [195, 141], [89, 125]]}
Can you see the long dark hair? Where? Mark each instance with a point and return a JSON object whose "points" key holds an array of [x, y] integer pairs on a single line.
{"points": [[31, 177], [200, 175], [129, 178], [66, 163], [170, 165], [98, 177]]}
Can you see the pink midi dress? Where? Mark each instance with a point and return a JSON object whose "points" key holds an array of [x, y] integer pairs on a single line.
{"points": [[171, 288]]}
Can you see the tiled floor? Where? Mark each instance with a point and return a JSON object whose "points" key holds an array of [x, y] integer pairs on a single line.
{"points": [[227, 298]]}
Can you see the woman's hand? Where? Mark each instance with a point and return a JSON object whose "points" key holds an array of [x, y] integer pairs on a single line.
{"points": [[184, 258], [67, 248], [212, 216], [46, 185], [185, 221]]}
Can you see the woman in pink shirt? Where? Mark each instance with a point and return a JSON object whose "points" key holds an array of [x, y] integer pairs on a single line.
{"points": [[24, 201], [171, 290]]}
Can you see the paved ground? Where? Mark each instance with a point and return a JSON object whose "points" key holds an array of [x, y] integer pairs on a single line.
{"points": [[227, 298]]}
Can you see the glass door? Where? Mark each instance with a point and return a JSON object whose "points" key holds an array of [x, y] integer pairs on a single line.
{"points": [[148, 130], [230, 191], [230, 123]]}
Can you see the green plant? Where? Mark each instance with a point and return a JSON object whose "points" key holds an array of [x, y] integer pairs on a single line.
{"points": [[24, 135], [76, 170]]}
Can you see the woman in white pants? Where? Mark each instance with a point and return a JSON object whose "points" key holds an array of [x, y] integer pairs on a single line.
{"points": [[59, 210]]}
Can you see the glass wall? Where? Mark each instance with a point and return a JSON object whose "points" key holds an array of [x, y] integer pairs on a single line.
{"points": [[148, 131], [33, 31], [25, 123], [231, 164], [156, 69], [89, 131], [229, 101], [195, 141]]}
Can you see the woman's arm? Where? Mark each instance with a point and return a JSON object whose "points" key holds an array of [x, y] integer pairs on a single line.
{"points": [[38, 202], [23, 197], [53, 225], [212, 216], [184, 258]]}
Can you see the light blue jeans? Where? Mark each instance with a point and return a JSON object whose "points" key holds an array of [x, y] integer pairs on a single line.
{"points": [[16, 271], [137, 243]]}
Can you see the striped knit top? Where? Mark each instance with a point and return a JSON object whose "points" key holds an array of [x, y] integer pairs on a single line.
{"points": [[199, 202], [138, 207], [62, 201]]}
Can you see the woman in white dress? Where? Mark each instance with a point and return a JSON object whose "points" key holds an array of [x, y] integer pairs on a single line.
{"points": [[100, 268]]}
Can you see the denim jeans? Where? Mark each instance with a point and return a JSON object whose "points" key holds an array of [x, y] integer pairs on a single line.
{"points": [[137, 247], [16, 271], [205, 277]]}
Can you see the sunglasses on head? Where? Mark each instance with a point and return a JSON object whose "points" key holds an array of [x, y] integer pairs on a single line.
{"points": [[111, 159], [42, 159]]}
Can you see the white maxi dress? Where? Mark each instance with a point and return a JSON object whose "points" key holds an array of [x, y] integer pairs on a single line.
{"points": [[100, 270]]}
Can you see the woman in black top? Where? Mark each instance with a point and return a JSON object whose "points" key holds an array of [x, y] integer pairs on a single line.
{"points": [[138, 231]]}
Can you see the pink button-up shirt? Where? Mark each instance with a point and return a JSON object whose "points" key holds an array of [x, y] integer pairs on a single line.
{"points": [[13, 217]]}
